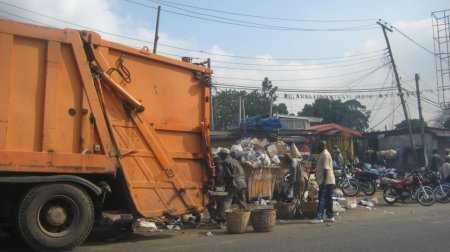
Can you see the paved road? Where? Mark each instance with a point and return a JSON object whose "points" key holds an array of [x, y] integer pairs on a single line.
{"points": [[409, 227]]}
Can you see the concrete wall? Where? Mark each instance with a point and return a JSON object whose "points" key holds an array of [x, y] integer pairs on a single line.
{"points": [[294, 123], [400, 141]]}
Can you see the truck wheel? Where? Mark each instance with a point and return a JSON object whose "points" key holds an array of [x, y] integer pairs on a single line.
{"points": [[55, 217]]}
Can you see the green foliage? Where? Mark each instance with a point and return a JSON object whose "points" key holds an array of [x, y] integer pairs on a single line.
{"points": [[226, 108], [280, 109], [256, 102], [351, 113], [415, 124]]}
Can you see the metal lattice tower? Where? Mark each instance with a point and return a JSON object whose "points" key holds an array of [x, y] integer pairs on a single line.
{"points": [[441, 38]]}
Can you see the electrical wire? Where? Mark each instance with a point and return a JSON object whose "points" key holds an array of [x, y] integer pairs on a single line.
{"points": [[162, 44], [294, 70], [395, 109], [350, 58], [241, 22], [265, 17], [317, 78]]}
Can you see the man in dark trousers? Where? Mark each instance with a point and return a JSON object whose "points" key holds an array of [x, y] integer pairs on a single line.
{"points": [[215, 205], [325, 180], [435, 161], [234, 177]]}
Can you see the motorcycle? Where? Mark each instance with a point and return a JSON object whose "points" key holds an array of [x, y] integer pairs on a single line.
{"points": [[367, 181], [344, 180], [411, 187]]}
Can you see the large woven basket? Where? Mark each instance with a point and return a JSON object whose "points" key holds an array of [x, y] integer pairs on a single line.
{"points": [[237, 220], [309, 209], [263, 220], [284, 210]]}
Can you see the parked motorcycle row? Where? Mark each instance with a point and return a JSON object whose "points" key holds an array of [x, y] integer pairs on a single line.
{"points": [[422, 185]]}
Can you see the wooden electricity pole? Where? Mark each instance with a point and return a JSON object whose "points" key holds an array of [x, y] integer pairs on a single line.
{"points": [[399, 87], [422, 124], [155, 43]]}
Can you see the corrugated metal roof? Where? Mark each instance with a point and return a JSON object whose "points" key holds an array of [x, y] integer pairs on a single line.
{"points": [[336, 128]]}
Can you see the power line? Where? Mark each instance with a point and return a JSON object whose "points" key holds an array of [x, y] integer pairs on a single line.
{"points": [[386, 117], [350, 58], [245, 23], [293, 70], [161, 44], [409, 38], [303, 79], [309, 90], [270, 18]]}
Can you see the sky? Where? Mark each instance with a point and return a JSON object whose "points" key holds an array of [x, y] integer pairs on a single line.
{"points": [[306, 48]]}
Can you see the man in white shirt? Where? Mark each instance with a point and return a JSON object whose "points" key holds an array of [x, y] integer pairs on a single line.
{"points": [[325, 179]]}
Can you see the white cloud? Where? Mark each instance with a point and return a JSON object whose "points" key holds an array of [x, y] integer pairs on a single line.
{"points": [[105, 15]]}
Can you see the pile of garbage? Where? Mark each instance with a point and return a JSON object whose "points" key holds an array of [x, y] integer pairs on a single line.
{"points": [[260, 153], [158, 224]]}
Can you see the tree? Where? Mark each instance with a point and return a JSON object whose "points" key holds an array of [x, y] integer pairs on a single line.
{"points": [[442, 119], [351, 113], [226, 108], [257, 103], [415, 124], [280, 109]]}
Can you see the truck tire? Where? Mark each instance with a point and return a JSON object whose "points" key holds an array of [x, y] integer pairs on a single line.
{"points": [[55, 217]]}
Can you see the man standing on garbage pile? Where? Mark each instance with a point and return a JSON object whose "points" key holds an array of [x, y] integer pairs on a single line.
{"points": [[234, 178], [296, 178], [444, 171], [326, 181], [215, 205], [338, 157], [435, 161]]}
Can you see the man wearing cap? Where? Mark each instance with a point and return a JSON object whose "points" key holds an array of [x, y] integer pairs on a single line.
{"points": [[325, 180], [234, 177]]}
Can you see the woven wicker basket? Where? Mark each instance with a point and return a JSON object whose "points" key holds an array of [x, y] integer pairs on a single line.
{"points": [[237, 221], [309, 209], [284, 210], [263, 220]]}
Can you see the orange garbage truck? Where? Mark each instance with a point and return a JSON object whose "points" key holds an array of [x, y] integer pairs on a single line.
{"points": [[89, 126]]}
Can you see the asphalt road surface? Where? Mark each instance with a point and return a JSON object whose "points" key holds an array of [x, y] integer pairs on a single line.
{"points": [[408, 227]]}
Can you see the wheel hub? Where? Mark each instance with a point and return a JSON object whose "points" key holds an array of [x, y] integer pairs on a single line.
{"points": [[56, 215]]}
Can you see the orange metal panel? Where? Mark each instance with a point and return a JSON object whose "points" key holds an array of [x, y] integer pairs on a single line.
{"points": [[44, 78], [51, 162], [48, 126], [162, 149], [51, 87], [6, 43]]}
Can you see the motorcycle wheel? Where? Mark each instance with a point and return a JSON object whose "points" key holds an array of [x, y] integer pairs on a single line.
{"points": [[370, 188], [390, 195], [425, 196], [442, 195], [350, 188]]}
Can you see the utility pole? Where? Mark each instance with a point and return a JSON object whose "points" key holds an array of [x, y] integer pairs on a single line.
{"points": [[271, 105], [211, 107], [422, 124], [155, 43], [240, 110], [399, 87], [243, 111]]}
